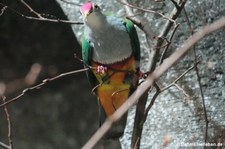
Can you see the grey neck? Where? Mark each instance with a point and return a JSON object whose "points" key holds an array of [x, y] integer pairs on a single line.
{"points": [[108, 37]]}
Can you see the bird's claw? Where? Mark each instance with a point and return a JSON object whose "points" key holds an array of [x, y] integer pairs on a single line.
{"points": [[101, 69], [142, 75]]}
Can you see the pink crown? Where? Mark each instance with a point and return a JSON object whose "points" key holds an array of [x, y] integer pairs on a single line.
{"points": [[87, 7]]}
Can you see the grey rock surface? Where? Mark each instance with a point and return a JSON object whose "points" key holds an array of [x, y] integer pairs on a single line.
{"points": [[177, 120]]}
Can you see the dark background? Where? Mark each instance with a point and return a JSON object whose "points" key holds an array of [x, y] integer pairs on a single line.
{"points": [[63, 113]]}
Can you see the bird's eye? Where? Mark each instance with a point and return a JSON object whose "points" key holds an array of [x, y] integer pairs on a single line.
{"points": [[96, 7]]}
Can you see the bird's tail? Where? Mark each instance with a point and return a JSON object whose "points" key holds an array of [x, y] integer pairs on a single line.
{"points": [[117, 129]]}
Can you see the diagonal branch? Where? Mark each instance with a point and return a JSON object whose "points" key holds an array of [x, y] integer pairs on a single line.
{"points": [[46, 81], [38, 16], [38, 86], [3, 9], [169, 62], [4, 146], [153, 59], [31, 9], [175, 4], [168, 44], [178, 78]]}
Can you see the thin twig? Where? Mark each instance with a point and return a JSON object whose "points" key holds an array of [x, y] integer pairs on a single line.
{"points": [[38, 17], [145, 27], [31, 9], [158, 91], [81, 61], [168, 44], [178, 78], [4, 146], [202, 97], [3, 9], [115, 94], [199, 82], [8, 124], [155, 54], [183, 91], [188, 21], [108, 68], [145, 10], [44, 82]]}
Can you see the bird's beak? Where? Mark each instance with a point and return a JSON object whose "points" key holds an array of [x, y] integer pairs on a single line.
{"points": [[86, 13]]}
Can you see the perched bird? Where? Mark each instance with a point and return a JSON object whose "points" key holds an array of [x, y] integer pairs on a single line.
{"points": [[111, 45]]}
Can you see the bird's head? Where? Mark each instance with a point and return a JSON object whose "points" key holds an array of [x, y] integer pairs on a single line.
{"points": [[88, 8], [92, 15]]}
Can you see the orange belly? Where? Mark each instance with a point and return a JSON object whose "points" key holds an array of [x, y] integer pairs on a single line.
{"points": [[114, 91]]}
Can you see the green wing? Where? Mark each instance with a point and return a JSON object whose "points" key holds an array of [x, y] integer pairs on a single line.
{"points": [[86, 55], [134, 38], [86, 49]]}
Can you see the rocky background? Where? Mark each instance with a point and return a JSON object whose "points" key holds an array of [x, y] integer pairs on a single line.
{"points": [[63, 113]]}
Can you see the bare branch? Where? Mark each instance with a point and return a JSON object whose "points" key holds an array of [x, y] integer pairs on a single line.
{"points": [[158, 91], [145, 10], [178, 78], [31, 9], [8, 124], [202, 97], [175, 4], [199, 80], [153, 59], [183, 91], [136, 137], [38, 17], [152, 77], [155, 54], [168, 44], [44, 82], [4, 146], [138, 21], [3, 9]]}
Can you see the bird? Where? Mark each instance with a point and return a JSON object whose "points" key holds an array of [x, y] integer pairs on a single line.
{"points": [[111, 48]]}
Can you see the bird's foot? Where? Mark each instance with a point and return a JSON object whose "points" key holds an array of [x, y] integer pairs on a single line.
{"points": [[101, 69], [142, 75]]}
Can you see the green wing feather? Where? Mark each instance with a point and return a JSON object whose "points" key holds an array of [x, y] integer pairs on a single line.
{"points": [[86, 55], [134, 38], [87, 49]]}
